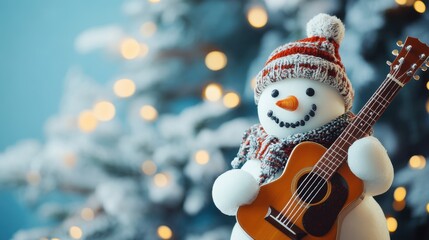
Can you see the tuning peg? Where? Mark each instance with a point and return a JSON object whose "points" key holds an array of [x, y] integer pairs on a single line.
{"points": [[422, 56], [408, 47], [416, 77], [389, 63], [395, 52], [427, 64], [399, 43], [409, 73], [424, 68]]}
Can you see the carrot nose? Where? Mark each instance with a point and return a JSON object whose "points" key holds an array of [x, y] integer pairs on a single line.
{"points": [[290, 103]]}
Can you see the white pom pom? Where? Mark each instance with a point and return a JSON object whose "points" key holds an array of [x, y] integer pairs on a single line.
{"points": [[233, 189], [324, 25]]}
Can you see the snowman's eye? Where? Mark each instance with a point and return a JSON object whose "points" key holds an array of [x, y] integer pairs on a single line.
{"points": [[309, 92], [275, 93]]}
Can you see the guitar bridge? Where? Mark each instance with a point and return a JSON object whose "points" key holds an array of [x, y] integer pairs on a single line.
{"points": [[273, 217]]}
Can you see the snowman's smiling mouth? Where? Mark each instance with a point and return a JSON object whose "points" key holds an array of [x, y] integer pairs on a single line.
{"points": [[301, 122]]}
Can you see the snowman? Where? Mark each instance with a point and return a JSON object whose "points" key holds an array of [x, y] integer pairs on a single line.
{"points": [[303, 94]]}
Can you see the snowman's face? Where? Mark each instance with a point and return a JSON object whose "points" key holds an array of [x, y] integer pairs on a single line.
{"points": [[297, 106]]}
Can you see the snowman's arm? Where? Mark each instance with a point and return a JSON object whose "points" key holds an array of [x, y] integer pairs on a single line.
{"points": [[236, 187], [369, 161]]}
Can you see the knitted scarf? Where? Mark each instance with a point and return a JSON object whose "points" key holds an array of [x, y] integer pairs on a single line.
{"points": [[274, 152]]}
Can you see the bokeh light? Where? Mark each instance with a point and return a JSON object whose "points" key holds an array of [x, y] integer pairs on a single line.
{"points": [[160, 180], [70, 160], [148, 113], [253, 83], [417, 162], [212, 92], [148, 29], [392, 224], [33, 178], [75, 232], [216, 60], [104, 111], [124, 88], [257, 16], [130, 48], [144, 49], [401, 2], [399, 194], [419, 6], [164, 232], [427, 207], [148, 167], [87, 214], [154, 1], [87, 121], [231, 100], [202, 157], [427, 85], [399, 206]]}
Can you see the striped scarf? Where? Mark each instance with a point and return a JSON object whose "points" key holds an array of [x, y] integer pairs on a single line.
{"points": [[274, 152]]}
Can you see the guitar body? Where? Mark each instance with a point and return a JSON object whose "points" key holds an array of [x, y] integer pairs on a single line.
{"points": [[315, 213]]}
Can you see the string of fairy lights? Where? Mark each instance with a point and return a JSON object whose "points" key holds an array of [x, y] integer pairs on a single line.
{"points": [[105, 110]]}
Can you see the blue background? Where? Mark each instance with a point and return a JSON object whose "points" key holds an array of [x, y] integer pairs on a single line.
{"points": [[36, 51]]}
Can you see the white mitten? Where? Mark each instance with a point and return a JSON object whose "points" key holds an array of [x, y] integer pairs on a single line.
{"points": [[369, 161], [233, 189]]}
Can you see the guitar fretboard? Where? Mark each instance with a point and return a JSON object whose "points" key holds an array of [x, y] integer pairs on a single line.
{"points": [[360, 127]]}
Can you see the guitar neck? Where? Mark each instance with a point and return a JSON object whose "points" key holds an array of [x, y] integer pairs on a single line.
{"points": [[360, 127], [410, 59]]}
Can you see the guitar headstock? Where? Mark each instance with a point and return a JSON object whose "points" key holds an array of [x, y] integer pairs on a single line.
{"points": [[413, 56]]}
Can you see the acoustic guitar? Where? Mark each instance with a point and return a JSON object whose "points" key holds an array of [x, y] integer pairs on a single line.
{"points": [[316, 190]]}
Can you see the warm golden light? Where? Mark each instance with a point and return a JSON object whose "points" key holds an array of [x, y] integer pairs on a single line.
{"points": [[130, 48], [212, 92], [417, 162], [399, 194], [231, 100], [144, 49], [253, 83], [124, 88], [148, 167], [427, 207], [216, 60], [148, 113], [154, 1], [419, 6], [104, 111], [160, 180], [164, 232], [33, 178], [398, 206], [148, 29], [87, 121], [55, 239], [427, 85], [87, 214], [401, 2], [70, 160], [257, 16], [75, 232], [392, 224], [202, 157]]}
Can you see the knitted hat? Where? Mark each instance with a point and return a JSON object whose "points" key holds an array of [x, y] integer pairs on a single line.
{"points": [[315, 58]]}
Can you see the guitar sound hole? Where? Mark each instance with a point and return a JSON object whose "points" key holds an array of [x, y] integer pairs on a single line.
{"points": [[311, 188]]}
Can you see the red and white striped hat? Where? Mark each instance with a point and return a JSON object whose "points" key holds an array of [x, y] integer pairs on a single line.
{"points": [[315, 57]]}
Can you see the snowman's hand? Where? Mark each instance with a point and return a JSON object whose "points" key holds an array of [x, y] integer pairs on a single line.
{"points": [[233, 189], [369, 161]]}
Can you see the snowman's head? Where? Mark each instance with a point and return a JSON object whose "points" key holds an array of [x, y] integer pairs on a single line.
{"points": [[298, 105]]}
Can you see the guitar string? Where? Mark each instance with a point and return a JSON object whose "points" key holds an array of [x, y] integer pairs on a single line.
{"points": [[322, 180], [380, 92], [304, 187]]}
